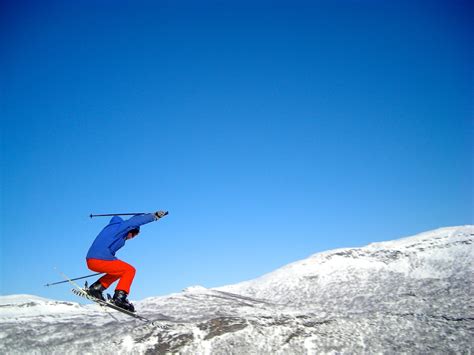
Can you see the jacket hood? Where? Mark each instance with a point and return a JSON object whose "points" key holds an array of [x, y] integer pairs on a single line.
{"points": [[116, 219]]}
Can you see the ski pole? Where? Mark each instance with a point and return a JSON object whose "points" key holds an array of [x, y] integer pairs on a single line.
{"points": [[77, 278], [119, 214], [115, 214]]}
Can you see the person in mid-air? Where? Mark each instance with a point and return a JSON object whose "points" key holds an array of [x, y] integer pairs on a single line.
{"points": [[101, 257]]}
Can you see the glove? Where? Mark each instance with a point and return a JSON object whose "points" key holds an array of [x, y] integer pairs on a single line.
{"points": [[159, 214]]}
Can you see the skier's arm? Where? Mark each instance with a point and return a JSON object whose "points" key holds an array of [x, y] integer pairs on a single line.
{"points": [[137, 221]]}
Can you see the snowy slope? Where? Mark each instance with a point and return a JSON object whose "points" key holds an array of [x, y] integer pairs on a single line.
{"points": [[389, 268], [413, 295], [27, 306]]}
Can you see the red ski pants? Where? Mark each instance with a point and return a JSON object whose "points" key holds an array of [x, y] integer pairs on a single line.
{"points": [[114, 269]]}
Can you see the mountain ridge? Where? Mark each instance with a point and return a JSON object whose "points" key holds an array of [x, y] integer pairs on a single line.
{"points": [[375, 255], [414, 294]]}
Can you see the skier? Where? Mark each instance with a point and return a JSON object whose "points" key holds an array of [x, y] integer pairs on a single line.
{"points": [[101, 257]]}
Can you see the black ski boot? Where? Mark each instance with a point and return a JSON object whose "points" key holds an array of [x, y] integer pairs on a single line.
{"points": [[95, 290], [120, 299]]}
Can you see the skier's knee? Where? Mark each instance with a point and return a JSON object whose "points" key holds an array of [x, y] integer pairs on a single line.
{"points": [[132, 270]]}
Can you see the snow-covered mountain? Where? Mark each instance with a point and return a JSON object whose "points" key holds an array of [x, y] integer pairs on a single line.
{"points": [[413, 295]]}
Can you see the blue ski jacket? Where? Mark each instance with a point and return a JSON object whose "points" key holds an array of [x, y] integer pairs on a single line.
{"points": [[112, 237]]}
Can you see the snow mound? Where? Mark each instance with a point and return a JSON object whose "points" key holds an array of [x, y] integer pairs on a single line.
{"points": [[442, 253], [29, 306]]}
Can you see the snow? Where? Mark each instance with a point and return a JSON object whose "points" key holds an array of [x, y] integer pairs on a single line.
{"points": [[423, 256], [26, 306], [196, 289], [412, 295], [20, 299]]}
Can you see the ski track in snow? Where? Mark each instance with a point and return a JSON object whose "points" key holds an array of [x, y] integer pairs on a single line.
{"points": [[413, 295]]}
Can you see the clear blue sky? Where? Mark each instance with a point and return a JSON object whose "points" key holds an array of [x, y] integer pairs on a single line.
{"points": [[269, 130]]}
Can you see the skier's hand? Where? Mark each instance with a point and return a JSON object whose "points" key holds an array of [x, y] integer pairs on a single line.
{"points": [[159, 214]]}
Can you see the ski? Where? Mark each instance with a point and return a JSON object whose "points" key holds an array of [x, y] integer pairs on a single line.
{"points": [[82, 293], [78, 291]]}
